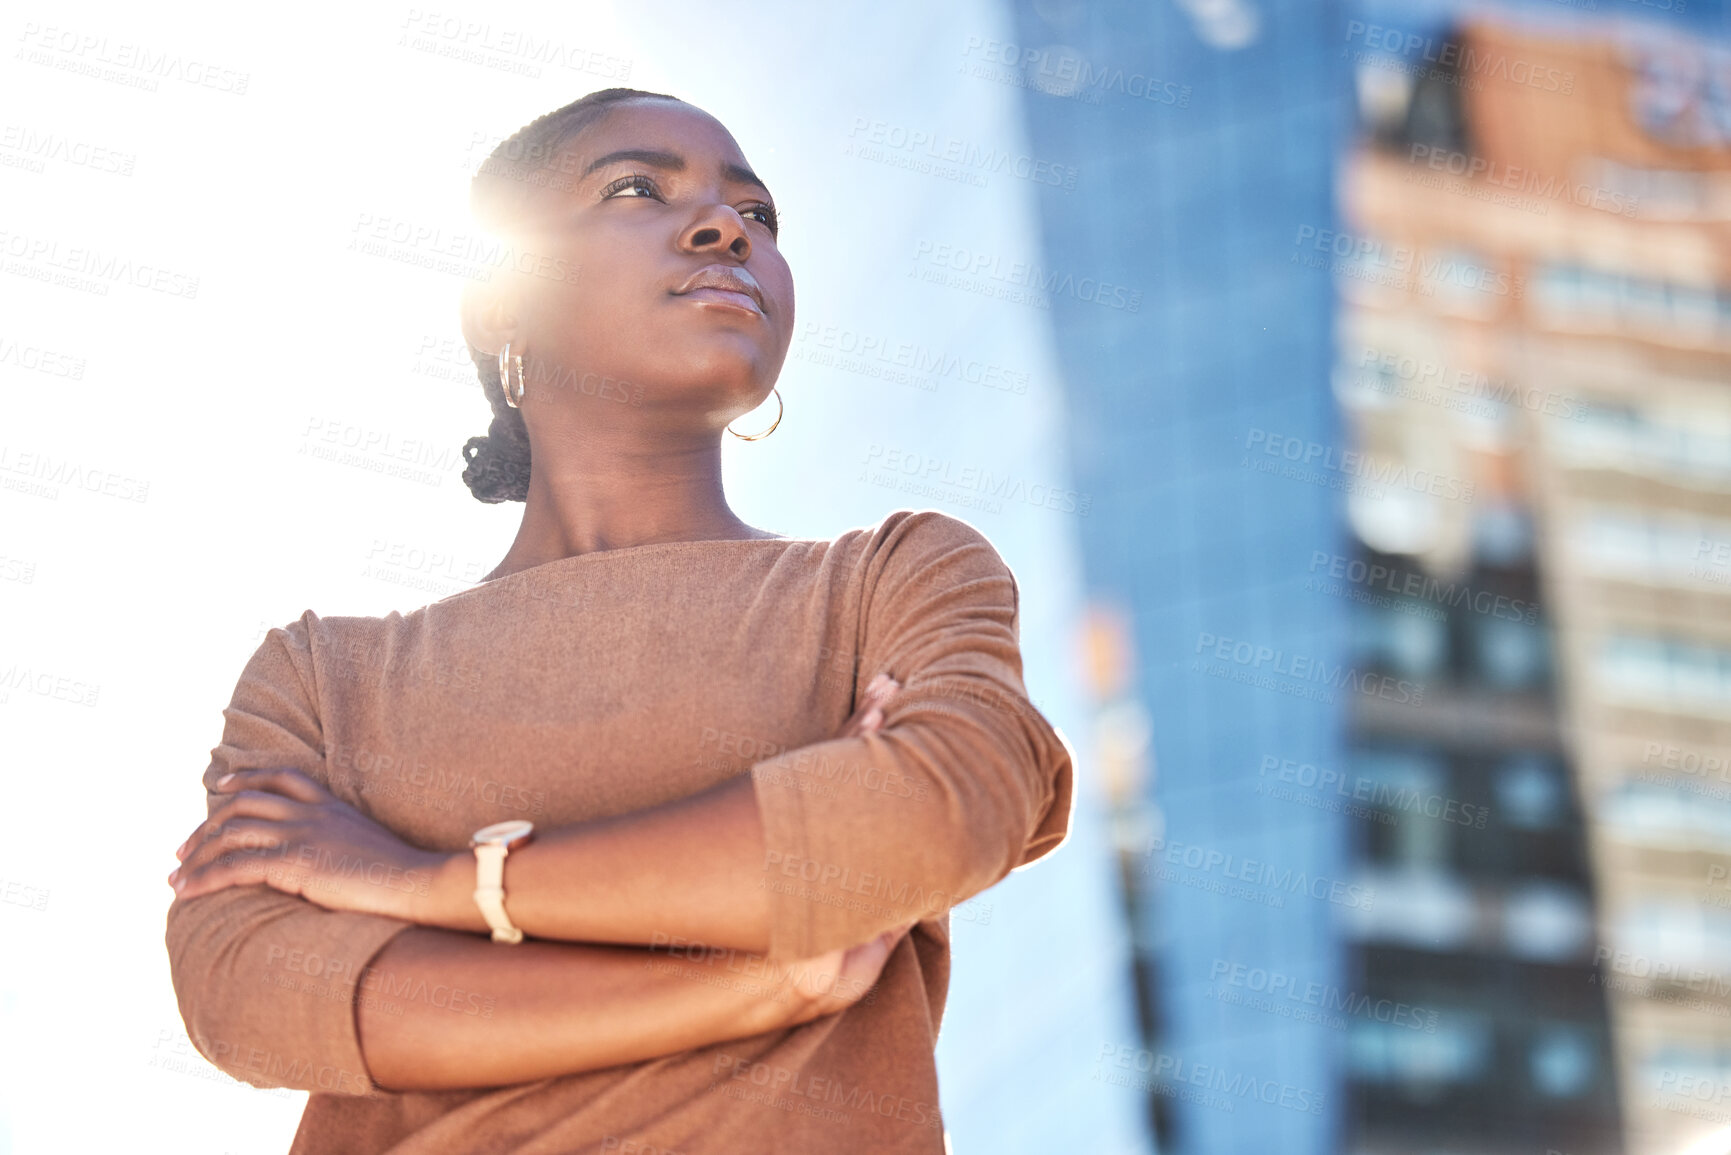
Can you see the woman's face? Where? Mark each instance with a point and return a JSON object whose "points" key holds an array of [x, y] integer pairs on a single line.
{"points": [[644, 206]]}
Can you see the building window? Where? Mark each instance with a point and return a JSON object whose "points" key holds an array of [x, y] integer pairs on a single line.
{"points": [[1664, 674], [1562, 1062], [1666, 814], [1546, 921], [1529, 793], [1673, 548], [1510, 654], [1577, 298], [1672, 939], [1458, 1051], [1404, 637]]}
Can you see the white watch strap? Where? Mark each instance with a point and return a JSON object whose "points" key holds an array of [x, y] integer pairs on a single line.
{"points": [[490, 891]]}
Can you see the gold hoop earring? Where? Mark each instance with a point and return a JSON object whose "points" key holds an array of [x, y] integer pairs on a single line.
{"points": [[513, 399], [779, 410]]}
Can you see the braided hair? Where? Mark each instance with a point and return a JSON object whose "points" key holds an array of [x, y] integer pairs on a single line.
{"points": [[498, 464]]}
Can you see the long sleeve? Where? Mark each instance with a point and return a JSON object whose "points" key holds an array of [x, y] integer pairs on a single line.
{"points": [[964, 782], [266, 981]]}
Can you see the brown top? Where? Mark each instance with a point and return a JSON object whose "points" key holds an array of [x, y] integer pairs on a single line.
{"points": [[609, 682]]}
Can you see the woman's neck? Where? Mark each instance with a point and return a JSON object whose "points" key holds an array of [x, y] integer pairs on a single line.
{"points": [[602, 496]]}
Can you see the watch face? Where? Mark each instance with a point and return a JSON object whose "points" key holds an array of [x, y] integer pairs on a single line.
{"points": [[502, 832]]}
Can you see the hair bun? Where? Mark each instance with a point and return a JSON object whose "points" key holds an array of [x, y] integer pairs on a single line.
{"points": [[498, 469]]}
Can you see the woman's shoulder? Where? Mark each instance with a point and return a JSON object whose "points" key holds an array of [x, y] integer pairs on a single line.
{"points": [[336, 633], [924, 549], [916, 529]]}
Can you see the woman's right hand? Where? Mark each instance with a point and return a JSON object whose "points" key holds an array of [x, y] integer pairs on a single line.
{"points": [[869, 715], [836, 981]]}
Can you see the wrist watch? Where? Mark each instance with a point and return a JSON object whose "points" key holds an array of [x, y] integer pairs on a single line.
{"points": [[492, 844]]}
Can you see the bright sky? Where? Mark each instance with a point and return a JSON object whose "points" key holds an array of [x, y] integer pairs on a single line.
{"points": [[183, 318]]}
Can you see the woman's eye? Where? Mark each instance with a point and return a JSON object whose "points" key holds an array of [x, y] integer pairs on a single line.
{"points": [[764, 215], [636, 181]]}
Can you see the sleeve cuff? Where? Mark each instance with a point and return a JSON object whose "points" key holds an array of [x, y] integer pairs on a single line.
{"points": [[280, 1010]]}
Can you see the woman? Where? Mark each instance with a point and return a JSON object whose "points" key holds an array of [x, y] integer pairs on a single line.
{"points": [[752, 763]]}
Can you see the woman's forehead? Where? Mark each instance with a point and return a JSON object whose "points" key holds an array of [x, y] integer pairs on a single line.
{"points": [[664, 126]]}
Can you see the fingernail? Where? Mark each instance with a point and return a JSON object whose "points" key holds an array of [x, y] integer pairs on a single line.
{"points": [[874, 718], [224, 779]]}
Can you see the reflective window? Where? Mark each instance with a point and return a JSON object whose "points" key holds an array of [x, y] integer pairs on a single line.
{"points": [[1400, 638], [1562, 1062], [1667, 814], [1458, 1051], [1529, 792]]}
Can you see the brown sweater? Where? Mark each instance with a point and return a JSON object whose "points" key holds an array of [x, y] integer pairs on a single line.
{"points": [[610, 682]]}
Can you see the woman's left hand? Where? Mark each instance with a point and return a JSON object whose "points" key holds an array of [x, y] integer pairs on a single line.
{"points": [[281, 828]]}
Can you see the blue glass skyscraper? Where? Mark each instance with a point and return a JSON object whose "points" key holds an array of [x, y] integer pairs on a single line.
{"points": [[1206, 136]]}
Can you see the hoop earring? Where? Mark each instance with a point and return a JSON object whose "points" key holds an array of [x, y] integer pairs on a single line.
{"points": [[513, 399], [779, 410]]}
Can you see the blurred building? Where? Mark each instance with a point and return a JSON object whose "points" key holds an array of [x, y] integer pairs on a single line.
{"points": [[1535, 274], [1203, 135]]}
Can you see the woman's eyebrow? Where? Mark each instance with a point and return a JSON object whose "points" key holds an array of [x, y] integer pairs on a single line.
{"points": [[673, 162]]}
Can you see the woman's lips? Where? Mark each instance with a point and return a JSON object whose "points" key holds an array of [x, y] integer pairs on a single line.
{"points": [[724, 297]]}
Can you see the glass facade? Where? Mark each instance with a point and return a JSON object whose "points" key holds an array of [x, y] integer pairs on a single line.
{"points": [[1209, 131]]}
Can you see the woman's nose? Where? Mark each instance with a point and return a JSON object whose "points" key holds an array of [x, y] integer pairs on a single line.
{"points": [[719, 228]]}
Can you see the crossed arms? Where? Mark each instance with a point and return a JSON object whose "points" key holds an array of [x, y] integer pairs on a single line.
{"points": [[583, 994]]}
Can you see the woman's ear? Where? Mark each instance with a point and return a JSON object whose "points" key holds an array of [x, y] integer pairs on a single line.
{"points": [[488, 318]]}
